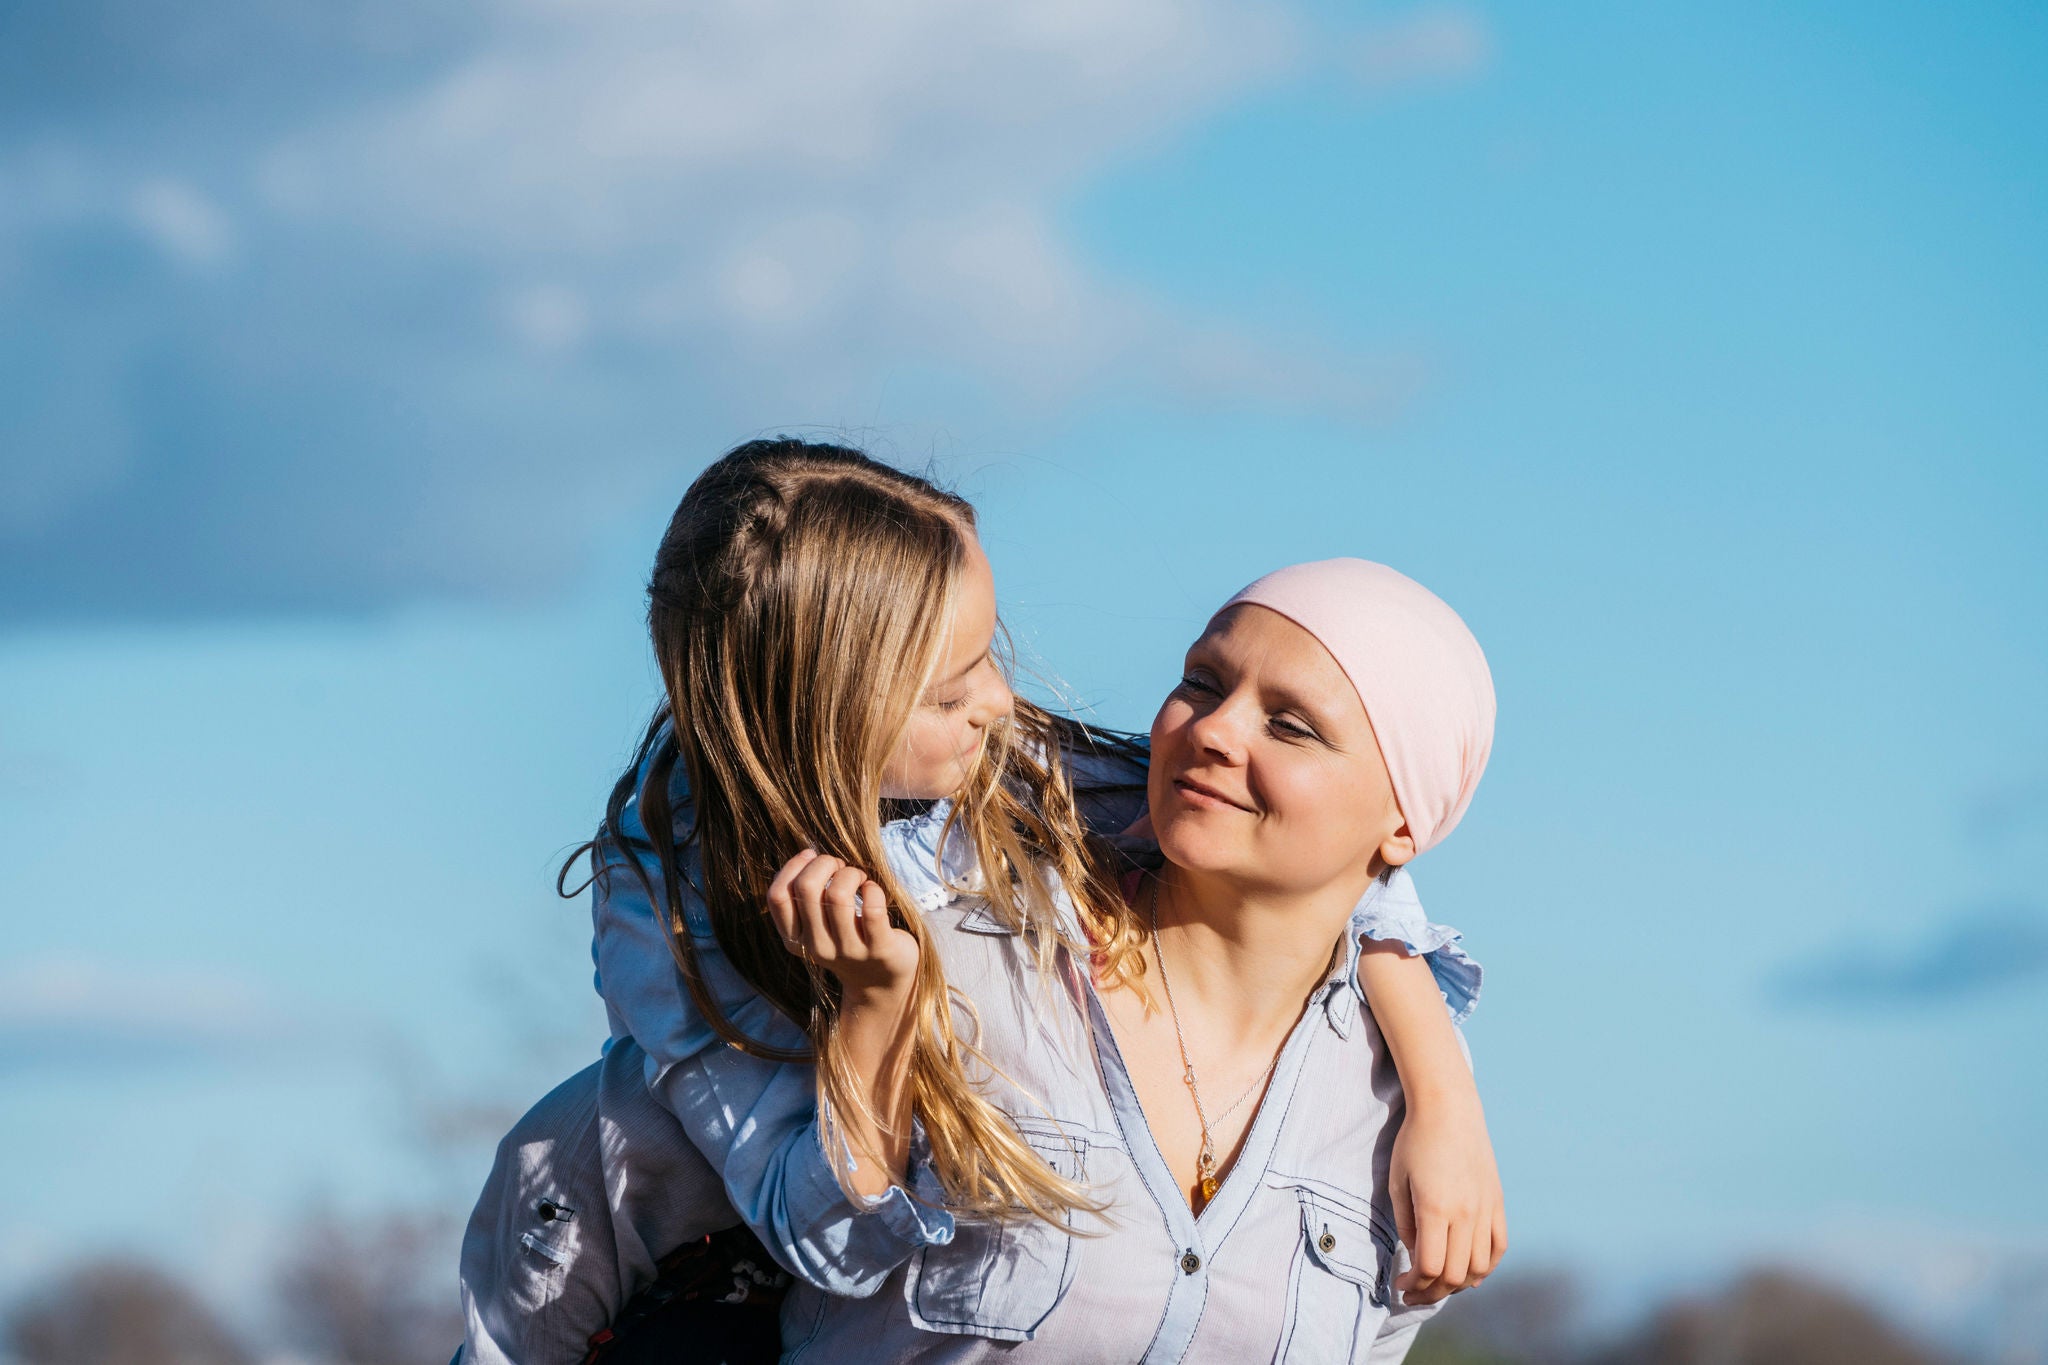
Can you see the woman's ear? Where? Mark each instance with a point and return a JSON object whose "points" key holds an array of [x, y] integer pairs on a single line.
{"points": [[1398, 847]]}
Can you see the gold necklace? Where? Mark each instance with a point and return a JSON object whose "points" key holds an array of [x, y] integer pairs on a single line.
{"points": [[1205, 1163]]}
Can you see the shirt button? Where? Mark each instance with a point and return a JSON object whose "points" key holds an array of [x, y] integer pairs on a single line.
{"points": [[1328, 1242], [1190, 1263]]}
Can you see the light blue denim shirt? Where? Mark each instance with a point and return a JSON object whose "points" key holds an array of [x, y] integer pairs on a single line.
{"points": [[590, 1189], [755, 1120], [752, 1127], [1293, 1261]]}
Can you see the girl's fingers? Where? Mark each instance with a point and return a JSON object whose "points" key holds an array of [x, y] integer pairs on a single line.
{"points": [[1457, 1254], [836, 913], [822, 902], [1404, 1223], [1404, 1214], [1430, 1237], [1489, 1242], [873, 914], [781, 908], [1482, 1249], [815, 918], [807, 927]]}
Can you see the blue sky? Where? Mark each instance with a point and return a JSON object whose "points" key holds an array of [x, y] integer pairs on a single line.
{"points": [[350, 360]]}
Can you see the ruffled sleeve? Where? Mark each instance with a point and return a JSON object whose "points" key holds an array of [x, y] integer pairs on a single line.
{"points": [[1396, 915]]}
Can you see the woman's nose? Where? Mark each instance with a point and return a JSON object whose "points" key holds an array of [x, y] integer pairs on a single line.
{"points": [[1218, 732]]}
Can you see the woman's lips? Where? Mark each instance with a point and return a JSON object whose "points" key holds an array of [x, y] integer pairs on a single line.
{"points": [[1204, 797]]}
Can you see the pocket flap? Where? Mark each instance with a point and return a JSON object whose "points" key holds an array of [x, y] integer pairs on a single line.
{"points": [[1000, 1278], [978, 920], [1347, 1243], [1063, 1149]]}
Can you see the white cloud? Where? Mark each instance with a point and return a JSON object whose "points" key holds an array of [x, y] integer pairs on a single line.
{"points": [[56, 1008], [873, 179], [548, 318], [1437, 43], [183, 222], [453, 259]]}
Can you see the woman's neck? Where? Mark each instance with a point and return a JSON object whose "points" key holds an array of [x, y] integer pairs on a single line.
{"points": [[1248, 960]]}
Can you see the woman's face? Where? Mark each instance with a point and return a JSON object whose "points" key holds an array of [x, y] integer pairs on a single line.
{"points": [[967, 694], [1264, 766]]}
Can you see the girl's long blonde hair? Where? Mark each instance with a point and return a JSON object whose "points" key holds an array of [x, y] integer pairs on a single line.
{"points": [[798, 605]]}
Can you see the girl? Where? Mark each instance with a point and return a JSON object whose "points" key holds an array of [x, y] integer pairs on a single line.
{"points": [[825, 627]]}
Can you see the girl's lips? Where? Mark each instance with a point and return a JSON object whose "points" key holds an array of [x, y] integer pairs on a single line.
{"points": [[1204, 797]]}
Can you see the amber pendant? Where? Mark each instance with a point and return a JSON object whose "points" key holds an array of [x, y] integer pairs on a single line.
{"points": [[1205, 1170]]}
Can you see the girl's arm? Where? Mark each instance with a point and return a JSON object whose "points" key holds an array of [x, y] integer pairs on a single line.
{"points": [[838, 917], [755, 1120], [1444, 1184]]}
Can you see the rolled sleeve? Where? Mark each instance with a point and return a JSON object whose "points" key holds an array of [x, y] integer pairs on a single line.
{"points": [[754, 1120], [758, 1123], [898, 1212]]}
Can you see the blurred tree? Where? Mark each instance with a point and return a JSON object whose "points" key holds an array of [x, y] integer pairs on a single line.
{"points": [[384, 1295], [119, 1313], [1437, 1345], [1771, 1318], [1529, 1318]]}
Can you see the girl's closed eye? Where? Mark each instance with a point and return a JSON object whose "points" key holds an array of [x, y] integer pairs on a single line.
{"points": [[1195, 682], [1293, 729]]}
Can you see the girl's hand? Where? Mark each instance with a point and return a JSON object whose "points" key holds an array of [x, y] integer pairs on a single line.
{"points": [[838, 917], [1447, 1199]]}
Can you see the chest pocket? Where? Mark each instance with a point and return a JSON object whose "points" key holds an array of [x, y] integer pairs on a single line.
{"points": [[1001, 1280], [1339, 1288]]}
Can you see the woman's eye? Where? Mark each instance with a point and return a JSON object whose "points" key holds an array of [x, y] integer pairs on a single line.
{"points": [[1191, 683], [1292, 730], [953, 705]]}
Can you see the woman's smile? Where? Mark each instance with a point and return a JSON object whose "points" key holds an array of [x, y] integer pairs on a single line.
{"points": [[1202, 796]]}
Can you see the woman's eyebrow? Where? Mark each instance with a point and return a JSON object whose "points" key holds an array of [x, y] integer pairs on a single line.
{"points": [[1281, 697]]}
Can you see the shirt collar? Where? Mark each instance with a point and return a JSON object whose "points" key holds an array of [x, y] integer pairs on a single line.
{"points": [[928, 873], [1342, 994]]}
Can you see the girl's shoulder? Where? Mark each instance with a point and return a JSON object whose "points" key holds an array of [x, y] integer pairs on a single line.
{"points": [[932, 858]]}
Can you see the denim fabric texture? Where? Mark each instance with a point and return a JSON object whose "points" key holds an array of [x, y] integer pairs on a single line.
{"points": [[1291, 1261]]}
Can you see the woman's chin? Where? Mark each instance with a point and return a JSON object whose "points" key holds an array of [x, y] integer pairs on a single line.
{"points": [[1185, 843]]}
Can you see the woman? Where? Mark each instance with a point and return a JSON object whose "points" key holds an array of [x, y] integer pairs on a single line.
{"points": [[1332, 723]]}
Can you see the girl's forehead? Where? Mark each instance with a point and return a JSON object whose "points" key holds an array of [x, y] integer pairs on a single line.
{"points": [[973, 625]]}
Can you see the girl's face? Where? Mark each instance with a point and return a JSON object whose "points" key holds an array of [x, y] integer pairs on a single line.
{"points": [[966, 695], [1264, 765]]}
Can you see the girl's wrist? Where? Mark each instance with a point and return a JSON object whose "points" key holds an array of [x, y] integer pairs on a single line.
{"points": [[876, 991], [1449, 1095], [870, 1005]]}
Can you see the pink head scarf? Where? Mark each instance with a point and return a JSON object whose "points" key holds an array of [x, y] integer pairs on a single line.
{"points": [[1421, 675]]}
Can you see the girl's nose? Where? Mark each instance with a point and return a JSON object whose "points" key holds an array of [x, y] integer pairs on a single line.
{"points": [[996, 701]]}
